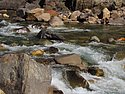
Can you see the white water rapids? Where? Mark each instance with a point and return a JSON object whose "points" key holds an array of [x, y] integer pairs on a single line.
{"points": [[112, 83]]}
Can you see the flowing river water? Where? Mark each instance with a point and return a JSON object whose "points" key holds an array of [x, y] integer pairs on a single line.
{"points": [[77, 37]]}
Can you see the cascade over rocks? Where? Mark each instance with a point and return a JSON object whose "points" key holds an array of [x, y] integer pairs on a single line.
{"points": [[19, 74], [74, 79]]}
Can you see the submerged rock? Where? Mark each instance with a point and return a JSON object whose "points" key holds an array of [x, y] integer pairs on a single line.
{"points": [[19, 74]]}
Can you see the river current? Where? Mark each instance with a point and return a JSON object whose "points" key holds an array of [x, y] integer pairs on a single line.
{"points": [[112, 83]]}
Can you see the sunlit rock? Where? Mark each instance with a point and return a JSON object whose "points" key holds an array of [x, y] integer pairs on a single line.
{"points": [[92, 20], [106, 15], [37, 52], [43, 17], [74, 15], [2, 48], [1, 92], [95, 39], [21, 74], [56, 21], [36, 10], [71, 59]]}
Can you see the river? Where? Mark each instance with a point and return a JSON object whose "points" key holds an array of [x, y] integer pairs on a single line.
{"points": [[100, 54]]}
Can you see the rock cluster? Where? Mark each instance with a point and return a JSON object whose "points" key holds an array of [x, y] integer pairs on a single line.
{"points": [[56, 13]]}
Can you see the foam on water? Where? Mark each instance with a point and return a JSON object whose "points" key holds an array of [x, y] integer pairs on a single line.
{"points": [[112, 83], [87, 53], [21, 48]]}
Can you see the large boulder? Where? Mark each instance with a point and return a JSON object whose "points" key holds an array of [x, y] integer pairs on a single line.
{"points": [[56, 21], [19, 74]]}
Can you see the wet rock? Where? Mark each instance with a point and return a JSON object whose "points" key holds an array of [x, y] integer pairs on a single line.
{"points": [[43, 34], [56, 21], [71, 59], [2, 48], [37, 52], [95, 39], [1, 92], [111, 40], [51, 50], [21, 30], [56, 91], [120, 55], [74, 79], [19, 74], [96, 71], [18, 19], [74, 15], [118, 21], [53, 90]]}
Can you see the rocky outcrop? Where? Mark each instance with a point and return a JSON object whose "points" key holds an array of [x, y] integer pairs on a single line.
{"points": [[19, 74]]}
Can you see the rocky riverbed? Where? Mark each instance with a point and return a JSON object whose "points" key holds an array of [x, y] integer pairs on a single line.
{"points": [[90, 59], [62, 47]]}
